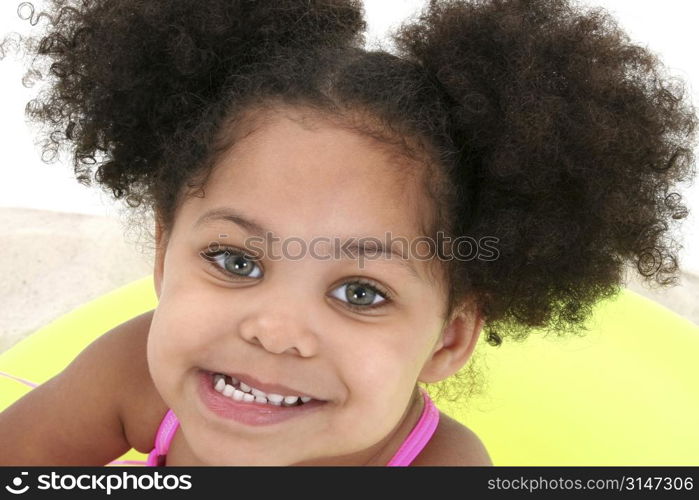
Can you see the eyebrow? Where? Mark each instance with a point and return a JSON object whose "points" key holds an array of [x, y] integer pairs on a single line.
{"points": [[361, 247], [230, 215]]}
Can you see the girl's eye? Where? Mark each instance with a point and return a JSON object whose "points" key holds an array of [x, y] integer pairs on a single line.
{"points": [[361, 295], [235, 262]]}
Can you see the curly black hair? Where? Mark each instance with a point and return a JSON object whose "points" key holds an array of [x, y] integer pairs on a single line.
{"points": [[538, 122]]}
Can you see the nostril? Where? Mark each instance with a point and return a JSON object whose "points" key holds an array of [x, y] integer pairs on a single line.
{"points": [[280, 349], [271, 346], [256, 341], [276, 336]]}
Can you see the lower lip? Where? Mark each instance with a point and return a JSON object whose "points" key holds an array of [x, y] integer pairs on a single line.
{"points": [[249, 413]]}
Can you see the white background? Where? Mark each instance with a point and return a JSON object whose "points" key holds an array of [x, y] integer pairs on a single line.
{"points": [[669, 28]]}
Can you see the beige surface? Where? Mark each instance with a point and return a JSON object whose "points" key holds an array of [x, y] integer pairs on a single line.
{"points": [[53, 262]]}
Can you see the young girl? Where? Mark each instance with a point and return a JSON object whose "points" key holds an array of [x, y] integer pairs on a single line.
{"points": [[532, 130]]}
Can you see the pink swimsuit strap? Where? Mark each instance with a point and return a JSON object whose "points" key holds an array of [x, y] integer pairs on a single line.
{"points": [[163, 437], [411, 447], [419, 436]]}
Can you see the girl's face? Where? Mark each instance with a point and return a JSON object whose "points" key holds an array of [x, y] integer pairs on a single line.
{"points": [[294, 323]]}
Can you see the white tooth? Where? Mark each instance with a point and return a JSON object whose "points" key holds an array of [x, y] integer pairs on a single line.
{"points": [[228, 390], [238, 395], [258, 393], [220, 384], [260, 399], [248, 398], [275, 403], [275, 398], [305, 399], [244, 387], [217, 377], [290, 400], [234, 380]]}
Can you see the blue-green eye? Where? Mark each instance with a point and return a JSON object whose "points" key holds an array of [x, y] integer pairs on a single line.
{"points": [[234, 262], [361, 294]]}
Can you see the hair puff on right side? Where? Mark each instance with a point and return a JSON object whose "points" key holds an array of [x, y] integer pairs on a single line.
{"points": [[573, 141]]}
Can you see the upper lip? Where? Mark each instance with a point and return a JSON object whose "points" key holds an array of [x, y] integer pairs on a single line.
{"points": [[264, 386]]}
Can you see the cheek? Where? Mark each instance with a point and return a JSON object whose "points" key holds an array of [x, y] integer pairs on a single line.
{"points": [[176, 339], [381, 366], [161, 349]]}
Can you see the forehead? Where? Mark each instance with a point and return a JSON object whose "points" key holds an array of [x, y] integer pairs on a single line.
{"points": [[307, 177]]}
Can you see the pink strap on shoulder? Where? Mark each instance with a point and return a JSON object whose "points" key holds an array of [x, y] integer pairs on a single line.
{"points": [[419, 436], [19, 379], [163, 437]]}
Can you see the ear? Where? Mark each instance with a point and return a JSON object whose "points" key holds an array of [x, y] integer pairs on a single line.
{"points": [[455, 345], [161, 239]]}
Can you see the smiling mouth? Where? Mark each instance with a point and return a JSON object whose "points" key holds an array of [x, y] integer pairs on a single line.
{"points": [[237, 390]]}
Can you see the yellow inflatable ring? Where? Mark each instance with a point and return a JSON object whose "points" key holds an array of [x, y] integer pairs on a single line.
{"points": [[625, 394]]}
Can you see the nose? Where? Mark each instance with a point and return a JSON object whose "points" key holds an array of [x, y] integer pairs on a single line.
{"points": [[279, 333]]}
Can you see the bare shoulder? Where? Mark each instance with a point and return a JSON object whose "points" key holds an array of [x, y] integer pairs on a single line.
{"points": [[453, 444], [92, 411]]}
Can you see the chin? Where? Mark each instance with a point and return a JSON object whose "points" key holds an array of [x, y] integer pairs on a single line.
{"points": [[211, 448]]}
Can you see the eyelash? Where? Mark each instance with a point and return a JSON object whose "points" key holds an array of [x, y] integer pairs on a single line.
{"points": [[387, 296]]}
